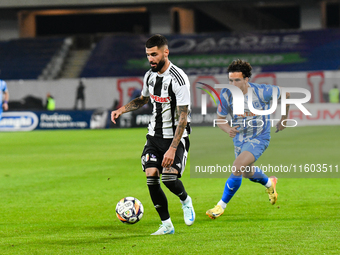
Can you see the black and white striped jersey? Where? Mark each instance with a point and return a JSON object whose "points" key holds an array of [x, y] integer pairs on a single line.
{"points": [[166, 91]]}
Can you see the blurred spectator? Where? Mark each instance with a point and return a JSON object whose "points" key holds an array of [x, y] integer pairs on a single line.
{"points": [[334, 94], [50, 102], [80, 95]]}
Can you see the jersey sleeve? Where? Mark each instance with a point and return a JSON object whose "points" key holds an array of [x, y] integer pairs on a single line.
{"points": [[3, 86], [268, 92], [182, 92], [222, 109], [145, 90]]}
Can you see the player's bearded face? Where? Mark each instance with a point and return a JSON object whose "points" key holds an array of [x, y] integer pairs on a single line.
{"points": [[156, 58], [155, 67]]}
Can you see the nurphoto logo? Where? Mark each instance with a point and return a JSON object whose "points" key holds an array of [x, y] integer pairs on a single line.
{"points": [[238, 103]]}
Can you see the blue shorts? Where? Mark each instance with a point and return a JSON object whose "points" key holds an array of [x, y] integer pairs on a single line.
{"points": [[255, 146]]}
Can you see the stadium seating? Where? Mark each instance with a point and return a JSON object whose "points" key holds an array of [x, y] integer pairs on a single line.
{"points": [[102, 59], [26, 58]]}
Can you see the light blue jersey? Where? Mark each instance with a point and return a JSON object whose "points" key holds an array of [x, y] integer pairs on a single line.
{"points": [[251, 126], [254, 132], [3, 88]]}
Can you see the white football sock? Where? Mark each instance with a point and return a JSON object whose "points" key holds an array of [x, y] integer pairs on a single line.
{"points": [[167, 222], [222, 204], [268, 184], [187, 200]]}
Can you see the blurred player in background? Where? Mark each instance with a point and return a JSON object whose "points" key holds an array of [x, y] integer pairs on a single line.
{"points": [[167, 145], [250, 141], [4, 97]]}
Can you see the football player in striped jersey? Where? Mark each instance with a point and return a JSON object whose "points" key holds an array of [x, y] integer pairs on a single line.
{"points": [[166, 149]]}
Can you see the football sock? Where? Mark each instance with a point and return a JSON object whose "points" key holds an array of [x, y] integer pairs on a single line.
{"points": [[231, 186], [167, 221], [174, 185], [259, 177], [158, 197], [268, 184], [186, 201], [222, 204]]}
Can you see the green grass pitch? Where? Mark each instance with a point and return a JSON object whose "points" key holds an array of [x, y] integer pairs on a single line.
{"points": [[59, 190]]}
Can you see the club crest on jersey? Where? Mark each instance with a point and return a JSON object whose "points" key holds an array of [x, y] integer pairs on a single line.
{"points": [[160, 99], [151, 84], [256, 105]]}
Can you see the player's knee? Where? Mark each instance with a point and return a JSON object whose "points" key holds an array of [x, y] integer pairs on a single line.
{"points": [[152, 172], [170, 170], [241, 169], [237, 169]]}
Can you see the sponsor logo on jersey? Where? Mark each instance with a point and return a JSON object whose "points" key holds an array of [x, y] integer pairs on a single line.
{"points": [[153, 158], [160, 99]]}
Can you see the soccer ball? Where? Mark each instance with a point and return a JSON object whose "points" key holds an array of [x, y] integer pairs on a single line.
{"points": [[129, 210]]}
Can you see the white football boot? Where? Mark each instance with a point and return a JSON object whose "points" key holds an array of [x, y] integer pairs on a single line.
{"points": [[164, 229], [189, 212]]}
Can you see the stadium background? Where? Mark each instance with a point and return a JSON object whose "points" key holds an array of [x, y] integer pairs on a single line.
{"points": [[52, 203], [47, 47]]}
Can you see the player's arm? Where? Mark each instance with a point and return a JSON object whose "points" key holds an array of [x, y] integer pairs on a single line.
{"points": [[224, 126], [133, 105], [5, 102], [279, 126], [169, 156]]}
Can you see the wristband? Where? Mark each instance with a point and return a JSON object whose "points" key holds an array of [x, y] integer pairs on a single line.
{"points": [[5, 102]]}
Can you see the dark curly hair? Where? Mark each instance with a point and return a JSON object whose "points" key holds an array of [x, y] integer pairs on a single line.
{"points": [[156, 40], [242, 66]]}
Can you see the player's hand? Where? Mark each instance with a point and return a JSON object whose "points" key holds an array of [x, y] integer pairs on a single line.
{"points": [[233, 131], [168, 158], [5, 106], [279, 126], [115, 115]]}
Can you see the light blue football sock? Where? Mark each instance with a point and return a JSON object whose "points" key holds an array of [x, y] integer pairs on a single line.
{"points": [[259, 176], [231, 186]]}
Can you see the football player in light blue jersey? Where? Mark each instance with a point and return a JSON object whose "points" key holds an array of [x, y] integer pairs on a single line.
{"points": [[250, 133], [3, 95]]}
